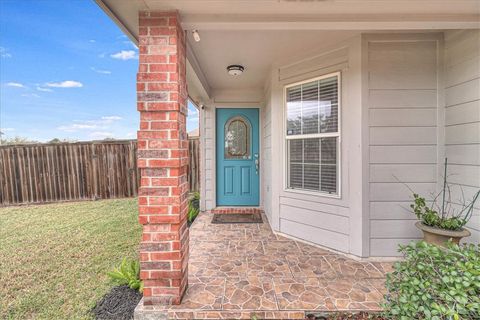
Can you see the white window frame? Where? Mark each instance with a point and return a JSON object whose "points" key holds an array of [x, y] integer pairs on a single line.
{"points": [[337, 134]]}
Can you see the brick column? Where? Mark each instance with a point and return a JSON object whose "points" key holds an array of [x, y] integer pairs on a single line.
{"points": [[162, 157]]}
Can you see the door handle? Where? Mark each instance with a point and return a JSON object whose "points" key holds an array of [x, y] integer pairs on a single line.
{"points": [[257, 163]]}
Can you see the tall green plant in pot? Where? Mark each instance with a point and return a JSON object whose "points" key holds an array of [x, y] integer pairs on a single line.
{"points": [[445, 218]]}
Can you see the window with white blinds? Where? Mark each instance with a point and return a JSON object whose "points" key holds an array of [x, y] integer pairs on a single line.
{"points": [[313, 134]]}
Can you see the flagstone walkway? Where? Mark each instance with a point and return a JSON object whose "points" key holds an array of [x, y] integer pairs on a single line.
{"points": [[241, 270]]}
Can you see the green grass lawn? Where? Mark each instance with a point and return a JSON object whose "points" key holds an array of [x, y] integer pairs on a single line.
{"points": [[53, 258]]}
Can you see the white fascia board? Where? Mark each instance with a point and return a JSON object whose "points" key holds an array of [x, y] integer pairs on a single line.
{"points": [[195, 74], [117, 21]]}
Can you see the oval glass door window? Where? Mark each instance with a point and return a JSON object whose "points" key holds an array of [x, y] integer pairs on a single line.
{"points": [[237, 138]]}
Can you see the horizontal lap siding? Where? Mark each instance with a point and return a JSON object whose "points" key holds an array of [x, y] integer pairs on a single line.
{"points": [[266, 155], [402, 102], [209, 166], [307, 220], [462, 118]]}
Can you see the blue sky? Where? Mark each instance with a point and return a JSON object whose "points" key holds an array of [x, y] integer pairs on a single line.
{"points": [[66, 71]]}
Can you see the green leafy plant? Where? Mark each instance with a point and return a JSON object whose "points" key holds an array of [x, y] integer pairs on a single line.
{"points": [[127, 273], [434, 283], [441, 214], [194, 207]]}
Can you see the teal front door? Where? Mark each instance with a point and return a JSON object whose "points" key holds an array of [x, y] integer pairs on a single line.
{"points": [[237, 157]]}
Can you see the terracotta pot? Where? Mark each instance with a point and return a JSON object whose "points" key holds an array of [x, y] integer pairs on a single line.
{"points": [[439, 236]]}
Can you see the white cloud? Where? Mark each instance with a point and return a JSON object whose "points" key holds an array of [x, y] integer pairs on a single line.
{"points": [[77, 126], [92, 41], [125, 55], [30, 95], [100, 70], [112, 118], [15, 84], [44, 89], [101, 134], [98, 124], [131, 134], [4, 53], [4, 130], [65, 84]]}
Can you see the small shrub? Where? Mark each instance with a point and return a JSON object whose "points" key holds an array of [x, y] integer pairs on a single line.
{"points": [[127, 273], [194, 207], [435, 283]]}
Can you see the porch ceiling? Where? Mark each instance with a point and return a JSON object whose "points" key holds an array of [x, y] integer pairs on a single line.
{"points": [[257, 33], [256, 51]]}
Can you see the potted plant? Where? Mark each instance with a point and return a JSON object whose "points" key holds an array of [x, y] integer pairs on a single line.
{"points": [[440, 222]]}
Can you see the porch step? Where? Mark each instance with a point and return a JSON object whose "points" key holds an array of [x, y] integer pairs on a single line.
{"points": [[230, 210], [161, 313]]}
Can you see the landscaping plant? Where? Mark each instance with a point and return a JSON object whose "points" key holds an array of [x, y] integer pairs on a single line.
{"points": [[434, 283], [442, 215], [193, 207], [127, 273]]}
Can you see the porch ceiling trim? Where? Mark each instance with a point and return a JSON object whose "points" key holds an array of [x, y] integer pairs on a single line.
{"points": [[330, 22]]}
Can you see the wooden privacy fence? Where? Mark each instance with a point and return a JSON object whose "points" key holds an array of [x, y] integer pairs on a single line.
{"points": [[40, 173], [194, 164], [68, 171]]}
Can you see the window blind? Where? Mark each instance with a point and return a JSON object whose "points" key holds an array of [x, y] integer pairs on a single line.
{"points": [[312, 135]]}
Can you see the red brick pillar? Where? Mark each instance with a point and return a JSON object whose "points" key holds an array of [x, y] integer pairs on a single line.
{"points": [[162, 157]]}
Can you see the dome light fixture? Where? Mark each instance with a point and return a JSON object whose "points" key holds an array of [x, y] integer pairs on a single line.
{"points": [[235, 69]]}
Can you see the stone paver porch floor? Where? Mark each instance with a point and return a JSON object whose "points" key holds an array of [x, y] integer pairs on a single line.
{"points": [[237, 270]]}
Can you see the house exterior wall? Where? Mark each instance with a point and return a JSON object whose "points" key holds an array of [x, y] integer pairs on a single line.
{"points": [[462, 117], [403, 103]]}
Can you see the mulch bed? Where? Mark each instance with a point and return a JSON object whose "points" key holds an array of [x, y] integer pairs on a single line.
{"points": [[118, 304]]}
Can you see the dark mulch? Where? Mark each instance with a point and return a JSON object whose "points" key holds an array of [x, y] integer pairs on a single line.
{"points": [[118, 304], [236, 218]]}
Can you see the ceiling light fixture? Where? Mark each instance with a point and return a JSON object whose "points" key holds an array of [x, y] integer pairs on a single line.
{"points": [[235, 69], [196, 35]]}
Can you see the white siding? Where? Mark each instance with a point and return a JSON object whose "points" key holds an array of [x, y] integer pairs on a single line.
{"points": [[462, 117], [266, 154], [208, 136], [403, 135]]}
